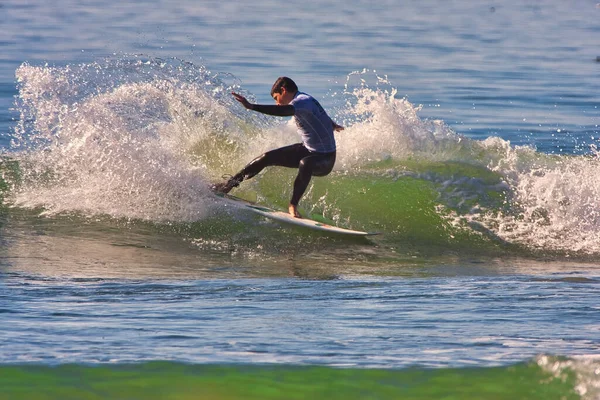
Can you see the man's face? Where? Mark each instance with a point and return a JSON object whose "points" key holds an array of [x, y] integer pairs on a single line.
{"points": [[283, 98]]}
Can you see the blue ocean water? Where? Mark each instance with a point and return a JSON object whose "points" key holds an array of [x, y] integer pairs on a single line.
{"points": [[470, 144]]}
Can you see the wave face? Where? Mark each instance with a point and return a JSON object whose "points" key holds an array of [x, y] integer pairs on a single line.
{"points": [[141, 139]]}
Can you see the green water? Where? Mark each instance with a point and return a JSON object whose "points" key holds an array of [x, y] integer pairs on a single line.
{"points": [[408, 202], [167, 380]]}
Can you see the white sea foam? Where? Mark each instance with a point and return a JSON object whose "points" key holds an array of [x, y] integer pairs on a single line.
{"points": [[382, 126], [109, 154], [556, 198], [585, 367]]}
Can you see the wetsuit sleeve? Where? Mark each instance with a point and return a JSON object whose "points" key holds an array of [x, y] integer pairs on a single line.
{"points": [[278, 111]]}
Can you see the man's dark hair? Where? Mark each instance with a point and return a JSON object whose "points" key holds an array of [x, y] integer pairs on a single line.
{"points": [[284, 82]]}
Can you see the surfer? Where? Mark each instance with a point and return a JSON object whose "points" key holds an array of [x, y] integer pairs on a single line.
{"points": [[315, 155]]}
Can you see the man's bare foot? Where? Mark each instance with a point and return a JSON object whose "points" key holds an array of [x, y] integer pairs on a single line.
{"points": [[225, 187], [293, 210]]}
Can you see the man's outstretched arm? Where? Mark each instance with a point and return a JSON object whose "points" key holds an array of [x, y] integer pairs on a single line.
{"points": [[278, 111]]}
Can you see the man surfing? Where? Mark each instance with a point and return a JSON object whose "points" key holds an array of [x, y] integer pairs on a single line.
{"points": [[315, 155]]}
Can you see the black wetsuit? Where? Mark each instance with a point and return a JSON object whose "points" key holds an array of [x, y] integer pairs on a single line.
{"points": [[295, 156]]}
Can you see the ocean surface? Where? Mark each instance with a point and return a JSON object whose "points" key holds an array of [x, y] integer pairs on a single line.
{"points": [[471, 144]]}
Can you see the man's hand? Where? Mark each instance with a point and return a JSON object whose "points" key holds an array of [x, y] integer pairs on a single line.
{"points": [[337, 127], [242, 100]]}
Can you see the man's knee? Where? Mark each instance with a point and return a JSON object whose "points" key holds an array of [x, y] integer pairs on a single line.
{"points": [[306, 165], [260, 159]]}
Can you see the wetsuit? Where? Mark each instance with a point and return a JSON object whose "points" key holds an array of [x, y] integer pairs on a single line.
{"points": [[314, 156]]}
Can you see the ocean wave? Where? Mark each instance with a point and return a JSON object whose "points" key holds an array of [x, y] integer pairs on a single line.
{"points": [[545, 378], [140, 138]]}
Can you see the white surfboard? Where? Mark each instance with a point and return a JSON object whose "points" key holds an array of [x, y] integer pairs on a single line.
{"points": [[287, 218]]}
